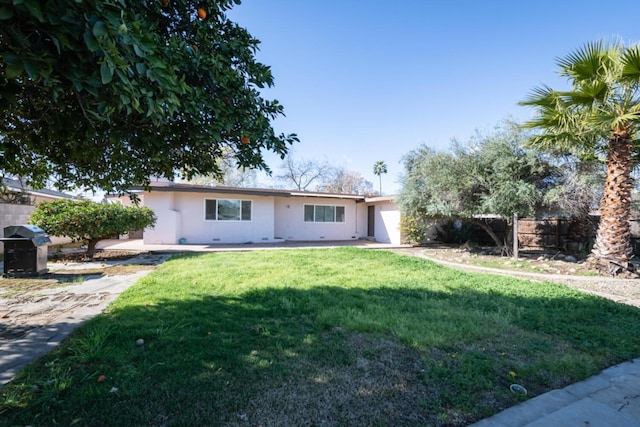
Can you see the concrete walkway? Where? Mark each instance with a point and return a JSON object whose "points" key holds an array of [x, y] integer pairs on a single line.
{"points": [[15, 354], [611, 398]]}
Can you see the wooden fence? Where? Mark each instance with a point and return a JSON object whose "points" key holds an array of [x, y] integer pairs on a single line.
{"points": [[550, 233]]}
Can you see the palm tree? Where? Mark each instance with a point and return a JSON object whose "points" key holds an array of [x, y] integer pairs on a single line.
{"points": [[379, 168], [599, 114]]}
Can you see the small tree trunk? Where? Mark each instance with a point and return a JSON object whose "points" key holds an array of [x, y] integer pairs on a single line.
{"points": [[612, 250], [489, 231], [91, 248]]}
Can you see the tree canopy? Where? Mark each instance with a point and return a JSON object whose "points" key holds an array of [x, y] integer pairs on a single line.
{"points": [[107, 93], [492, 174], [599, 114], [89, 222], [302, 173], [344, 181]]}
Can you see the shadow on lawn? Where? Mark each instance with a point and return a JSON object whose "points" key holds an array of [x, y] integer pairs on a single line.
{"points": [[328, 355]]}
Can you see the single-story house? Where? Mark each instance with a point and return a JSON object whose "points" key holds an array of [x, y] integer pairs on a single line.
{"points": [[28, 196], [200, 214]]}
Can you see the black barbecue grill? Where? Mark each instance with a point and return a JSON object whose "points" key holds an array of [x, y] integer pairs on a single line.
{"points": [[25, 250]]}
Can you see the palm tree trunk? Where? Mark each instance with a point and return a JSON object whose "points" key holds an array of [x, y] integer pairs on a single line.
{"points": [[612, 250]]}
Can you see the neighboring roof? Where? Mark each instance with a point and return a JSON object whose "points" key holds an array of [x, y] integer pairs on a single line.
{"points": [[190, 188], [17, 186]]}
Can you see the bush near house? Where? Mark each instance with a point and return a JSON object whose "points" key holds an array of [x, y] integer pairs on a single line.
{"points": [[89, 222]]}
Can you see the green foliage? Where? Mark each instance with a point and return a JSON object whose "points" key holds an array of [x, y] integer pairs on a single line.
{"points": [[604, 100], [493, 174], [599, 115], [105, 94], [413, 229], [90, 222]]}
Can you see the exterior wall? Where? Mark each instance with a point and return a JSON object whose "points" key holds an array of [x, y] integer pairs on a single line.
{"points": [[290, 224], [12, 214], [181, 219], [386, 221], [181, 216], [166, 228]]}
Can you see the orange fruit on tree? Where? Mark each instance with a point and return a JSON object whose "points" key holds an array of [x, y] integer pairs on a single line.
{"points": [[165, 3], [101, 378], [245, 139], [202, 13]]}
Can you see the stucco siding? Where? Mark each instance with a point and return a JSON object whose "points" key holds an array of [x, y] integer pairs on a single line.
{"points": [[182, 216], [290, 223], [198, 215], [167, 225], [388, 223]]}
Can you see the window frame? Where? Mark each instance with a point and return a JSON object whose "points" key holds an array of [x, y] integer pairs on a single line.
{"points": [[242, 214], [324, 213]]}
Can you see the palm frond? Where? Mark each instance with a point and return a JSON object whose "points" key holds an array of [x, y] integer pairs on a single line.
{"points": [[631, 64], [587, 94], [542, 97], [619, 121], [592, 61]]}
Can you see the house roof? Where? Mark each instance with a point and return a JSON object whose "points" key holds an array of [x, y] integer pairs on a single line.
{"points": [[190, 188], [17, 186]]}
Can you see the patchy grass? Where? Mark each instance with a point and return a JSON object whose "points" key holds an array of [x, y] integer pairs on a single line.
{"points": [[319, 337]]}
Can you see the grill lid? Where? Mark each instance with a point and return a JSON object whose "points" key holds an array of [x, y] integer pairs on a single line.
{"points": [[27, 231]]}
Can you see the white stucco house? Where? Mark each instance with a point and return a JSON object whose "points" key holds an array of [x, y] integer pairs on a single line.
{"points": [[196, 214]]}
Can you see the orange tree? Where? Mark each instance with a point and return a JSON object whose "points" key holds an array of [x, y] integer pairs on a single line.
{"points": [[599, 114], [106, 93], [89, 222]]}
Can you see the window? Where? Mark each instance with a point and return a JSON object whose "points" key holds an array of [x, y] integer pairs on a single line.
{"points": [[323, 213], [227, 210]]}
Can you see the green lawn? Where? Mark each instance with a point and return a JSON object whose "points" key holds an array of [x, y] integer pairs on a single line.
{"points": [[319, 337]]}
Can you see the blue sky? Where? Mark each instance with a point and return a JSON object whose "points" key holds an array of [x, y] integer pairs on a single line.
{"points": [[363, 81]]}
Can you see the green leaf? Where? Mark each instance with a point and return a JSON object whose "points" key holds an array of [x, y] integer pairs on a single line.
{"points": [[31, 70], [91, 89], [106, 73], [14, 70], [34, 8], [5, 13], [139, 51], [141, 67], [10, 58], [91, 41], [99, 29]]}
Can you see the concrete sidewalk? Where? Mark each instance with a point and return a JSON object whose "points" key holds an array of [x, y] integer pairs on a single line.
{"points": [[138, 245], [611, 398]]}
